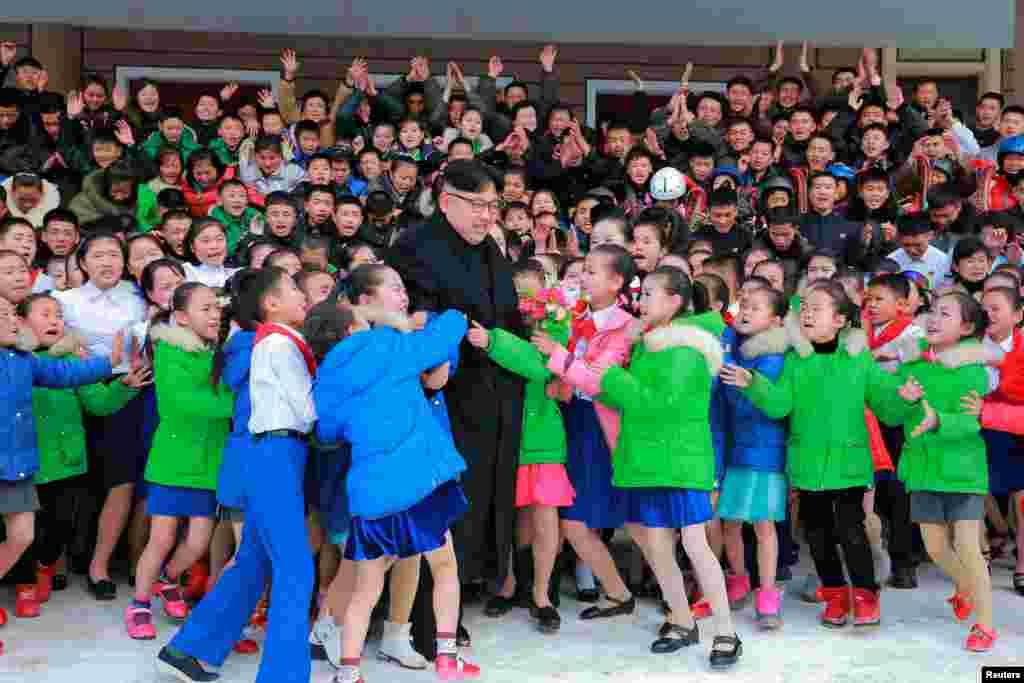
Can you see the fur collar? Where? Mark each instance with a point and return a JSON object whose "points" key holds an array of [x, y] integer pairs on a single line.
{"points": [[771, 341], [965, 353], [67, 345], [178, 337], [853, 340], [682, 335]]}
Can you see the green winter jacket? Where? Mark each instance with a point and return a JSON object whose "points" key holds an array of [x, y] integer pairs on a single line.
{"points": [[951, 459], [195, 418], [226, 155], [156, 141], [147, 210], [60, 432], [543, 430], [665, 398], [92, 204], [236, 228], [824, 396], [710, 321]]}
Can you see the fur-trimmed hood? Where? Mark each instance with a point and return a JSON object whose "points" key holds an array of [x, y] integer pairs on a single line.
{"points": [[853, 340], [376, 315], [178, 337], [969, 352], [766, 343], [67, 345], [683, 335]]}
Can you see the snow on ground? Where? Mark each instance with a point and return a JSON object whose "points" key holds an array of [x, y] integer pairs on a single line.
{"points": [[78, 640]]}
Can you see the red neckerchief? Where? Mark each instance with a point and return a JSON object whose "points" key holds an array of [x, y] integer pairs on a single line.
{"points": [[267, 329], [33, 275], [582, 327], [892, 330], [729, 318]]}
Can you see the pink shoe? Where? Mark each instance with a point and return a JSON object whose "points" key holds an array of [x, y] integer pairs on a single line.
{"points": [[453, 668], [170, 595], [768, 608], [139, 622], [738, 590]]}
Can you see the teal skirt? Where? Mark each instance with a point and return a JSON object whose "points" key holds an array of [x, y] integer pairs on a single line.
{"points": [[750, 495]]}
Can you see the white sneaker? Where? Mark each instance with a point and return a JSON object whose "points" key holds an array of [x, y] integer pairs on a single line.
{"points": [[396, 646], [327, 634]]}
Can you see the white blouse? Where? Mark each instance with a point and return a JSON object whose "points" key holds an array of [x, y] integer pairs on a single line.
{"points": [[211, 276], [98, 315]]}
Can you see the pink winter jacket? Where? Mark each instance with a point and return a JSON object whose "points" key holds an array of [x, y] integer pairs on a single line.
{"points": [[610, 346]]}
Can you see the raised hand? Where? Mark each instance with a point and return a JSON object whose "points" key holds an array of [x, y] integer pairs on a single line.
{"points": [[930, 422], [228, 91], [651, 140], [123, 133], [290, 63], [75, 104], [805, 66], [856, 98], [265, 98], [735, 376], [684, 82], [478, 335], [547, 57], [252, 128], [494, 67], [635, 77], [779, 57], [119, 98], [8, 51]]}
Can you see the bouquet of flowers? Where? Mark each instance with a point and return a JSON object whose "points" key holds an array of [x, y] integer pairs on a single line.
{"points": [[547, 311]]}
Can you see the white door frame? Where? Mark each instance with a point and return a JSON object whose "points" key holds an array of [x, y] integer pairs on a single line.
{"points": [[597, 86], [123, 75]]}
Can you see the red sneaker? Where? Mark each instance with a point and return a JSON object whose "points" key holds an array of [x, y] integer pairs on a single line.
{"points": [[981, 639], [962, 605], [170, 595], [44, 581], [866, 608], [3, 617], [246, 647], [454, 668], [837, 606], [195, 587], [701, 609], [26, 602]]}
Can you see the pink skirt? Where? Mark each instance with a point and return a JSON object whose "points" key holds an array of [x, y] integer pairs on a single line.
{"points": [[546, 484]]}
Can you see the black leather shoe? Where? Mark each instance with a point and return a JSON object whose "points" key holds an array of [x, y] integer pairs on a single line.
{"points": [[103, 590], [60, 582], [616, 608], [672, 637], [499, 606], [588, 595], [903, 578], [722, 657], [462, 638], [548, 619]]}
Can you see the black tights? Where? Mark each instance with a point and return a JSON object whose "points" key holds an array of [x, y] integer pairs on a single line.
{"points": [[831, 517]]}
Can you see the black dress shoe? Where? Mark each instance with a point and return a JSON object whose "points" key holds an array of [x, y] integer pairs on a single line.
{"points": [[903, 578], [617, 608], [60, 582], [104, 590], [462, 638], [499, 606], [588, 595], [725, 656], [548, 619], [672, 637]]}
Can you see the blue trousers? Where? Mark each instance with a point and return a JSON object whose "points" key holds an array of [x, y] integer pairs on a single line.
{"points": [[274, 546]]}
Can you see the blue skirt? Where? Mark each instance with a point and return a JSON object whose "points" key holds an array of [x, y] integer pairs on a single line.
{"points": [[751, 495], [420, 529], [599, 505], [665, 508], [180, 501], [1005, 462]]}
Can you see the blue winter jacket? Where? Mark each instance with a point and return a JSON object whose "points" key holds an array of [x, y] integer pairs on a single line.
{"points": [[745, 435], [237, 361], [436, 398], [19, 372], [368, 393]]}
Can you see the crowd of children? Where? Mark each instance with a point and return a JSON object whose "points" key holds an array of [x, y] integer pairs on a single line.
{"points": [[217, 382]]}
